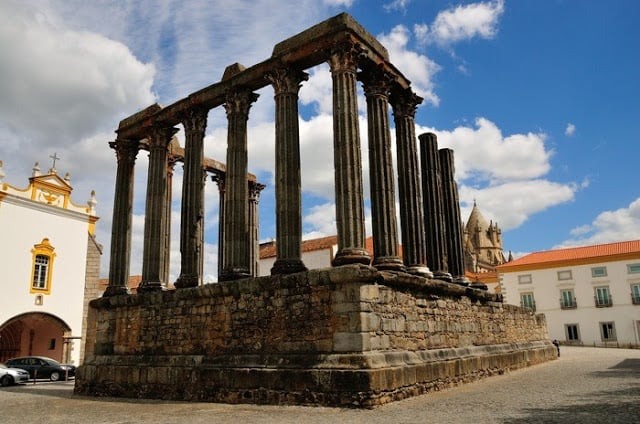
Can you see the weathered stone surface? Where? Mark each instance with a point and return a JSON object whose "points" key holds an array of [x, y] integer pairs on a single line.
{"points": [[349, 336]]}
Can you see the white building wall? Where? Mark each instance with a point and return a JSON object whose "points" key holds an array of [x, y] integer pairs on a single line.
{"points": [[312, 260], [546, 289], [25, 224]]}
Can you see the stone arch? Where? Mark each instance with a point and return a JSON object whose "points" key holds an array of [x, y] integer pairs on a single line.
{"points": [[35, 333]]}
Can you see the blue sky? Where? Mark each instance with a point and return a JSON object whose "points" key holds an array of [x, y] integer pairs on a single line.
{"points": [[538, 98]]}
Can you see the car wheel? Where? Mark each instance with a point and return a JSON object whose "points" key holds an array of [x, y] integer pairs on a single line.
{"points": [[6, 380], [55, 376]]}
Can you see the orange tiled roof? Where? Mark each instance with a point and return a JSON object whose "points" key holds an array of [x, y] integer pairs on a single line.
{"points": [[268, 250], [575, 256]]}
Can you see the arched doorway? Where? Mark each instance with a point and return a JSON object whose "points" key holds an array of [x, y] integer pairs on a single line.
{"points": [[37, 334]]}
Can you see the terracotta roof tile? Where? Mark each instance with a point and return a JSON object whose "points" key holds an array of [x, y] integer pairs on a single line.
{"points": [[268, 249], [583, 254]]}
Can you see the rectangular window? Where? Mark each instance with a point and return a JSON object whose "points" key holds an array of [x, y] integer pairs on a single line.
{"points": [[635, 294], [52, 344], [524, 279], [567, 299], [527, 302], [41, 268], [599, 271], [633, 268], [603, 297], [608, 331], [564, 275], [571, 332]]}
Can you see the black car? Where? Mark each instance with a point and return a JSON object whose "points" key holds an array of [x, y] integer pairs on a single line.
{"points": [[41, 367]]}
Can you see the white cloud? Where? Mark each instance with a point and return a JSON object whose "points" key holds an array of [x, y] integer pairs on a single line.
{"points": [[504, 174], [483, 153], [416, 67], [464, 22], [609, 226], [400, 5], [570, 130]]}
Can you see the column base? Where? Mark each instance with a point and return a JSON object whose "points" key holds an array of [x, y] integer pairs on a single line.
{"points": [[479, 286], [185, 281], [288, 266], [149, 286], [388, 263], [232, 273], [115, 291], [461, 280], [444, 276], [420, 270], [349, 255]]}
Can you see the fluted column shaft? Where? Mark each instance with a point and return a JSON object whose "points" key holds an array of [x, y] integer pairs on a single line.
{"points": [[254, 226], [383, 207], [218, 178], [192, 210], [236, 233], [286, 84], [164, 275], [155, 210], [126, 151], [410, 192], [347, 159], [433, 212], [453, 223]]}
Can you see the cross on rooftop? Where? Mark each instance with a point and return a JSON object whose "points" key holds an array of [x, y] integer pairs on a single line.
{"points": [[55, 158]]}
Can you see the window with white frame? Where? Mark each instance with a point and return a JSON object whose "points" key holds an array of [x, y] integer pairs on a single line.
{"points": [[40, 272], [571, 332], [524, 279], [599, 271], [633, 268], [527, 301], [603, 296], [635, 294], [565, 275], [567, 299], [608, 331]]}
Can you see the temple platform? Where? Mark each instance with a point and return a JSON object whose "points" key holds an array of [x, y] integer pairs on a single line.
{"points": [[348, 336]]}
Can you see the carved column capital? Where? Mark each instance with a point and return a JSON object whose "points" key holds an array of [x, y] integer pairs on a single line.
{"points": [[405, 103], [254, 191], [160, 137], [126, 150], [238, 102], [286, 80], [376, 82], [345, 57], [195, 120]]}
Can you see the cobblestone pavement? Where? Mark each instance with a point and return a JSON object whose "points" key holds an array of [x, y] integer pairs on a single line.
{"points": [[586, 385]]}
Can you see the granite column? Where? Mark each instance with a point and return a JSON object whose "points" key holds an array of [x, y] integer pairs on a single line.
{"points": [[126, 151], [347, 158], [286, 84]]}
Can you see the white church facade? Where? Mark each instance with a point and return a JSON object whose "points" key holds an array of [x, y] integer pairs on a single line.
{"points": [[49, 267]]}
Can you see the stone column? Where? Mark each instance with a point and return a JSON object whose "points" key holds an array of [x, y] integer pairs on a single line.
{"points": [[236, 221], [218, 178], [254, 226], [155, 212], [347, 159], [192, 211], [383, 208], [164, 276], [410, 193], [286, 84], [453, 223], [126, 151], [433, 211]]}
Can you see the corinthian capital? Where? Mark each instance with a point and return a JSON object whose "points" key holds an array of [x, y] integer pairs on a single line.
{"points": [[376, 82], [345, 57], [405, 103], [126, 150], [238, 102], [195, 120], [286, 80]]}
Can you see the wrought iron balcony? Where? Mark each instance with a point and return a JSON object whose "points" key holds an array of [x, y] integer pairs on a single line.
{"points": [[568, 303], [530, 307]]}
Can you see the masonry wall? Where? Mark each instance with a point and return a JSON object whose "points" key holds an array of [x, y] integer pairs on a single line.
{"points": [[342, 336]]}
